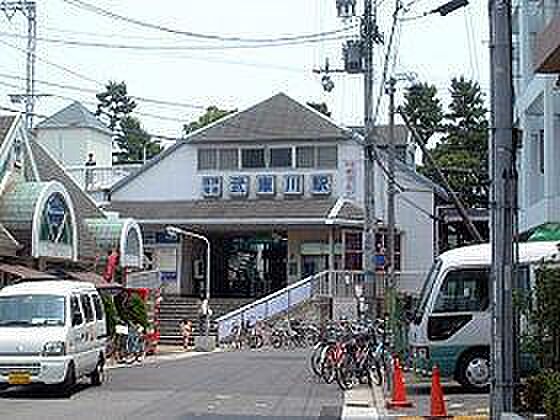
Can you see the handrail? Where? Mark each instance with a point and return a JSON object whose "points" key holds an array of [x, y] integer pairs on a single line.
{"points": [[271, 296]]}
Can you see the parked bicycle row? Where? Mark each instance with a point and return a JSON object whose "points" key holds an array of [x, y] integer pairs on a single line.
{"points": [[284, 334], [351, 353]]}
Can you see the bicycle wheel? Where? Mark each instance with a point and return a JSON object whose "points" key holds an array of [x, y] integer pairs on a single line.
{"points": [[315, 359], [276, 341], [345, 373], [375, 373], [328, 367]]}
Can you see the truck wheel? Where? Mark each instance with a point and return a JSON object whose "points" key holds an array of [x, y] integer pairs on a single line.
{"points": [[97, 377], [474, 371], [69, 382]]}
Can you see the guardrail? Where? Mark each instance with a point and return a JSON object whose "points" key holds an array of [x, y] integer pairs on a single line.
{"points": [[323, 284]]}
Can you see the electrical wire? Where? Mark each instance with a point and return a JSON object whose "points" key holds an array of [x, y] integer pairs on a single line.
{"points": [[107, 13], [138, 47]]}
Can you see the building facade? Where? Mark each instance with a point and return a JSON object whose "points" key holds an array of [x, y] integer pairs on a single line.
{"points": [[47, 222], [278, 190], [536, 65]]}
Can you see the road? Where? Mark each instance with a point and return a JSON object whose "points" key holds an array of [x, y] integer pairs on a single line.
{"points": [[230, 385]]}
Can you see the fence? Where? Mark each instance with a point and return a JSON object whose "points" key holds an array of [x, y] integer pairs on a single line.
{"points": [[323, 284], [92, 178]]}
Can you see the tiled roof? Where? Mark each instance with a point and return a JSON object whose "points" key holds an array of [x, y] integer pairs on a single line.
{"points": [[6, 122], [277, 118], [85, 208], [236, 211], [74, 115], [349, 211]]}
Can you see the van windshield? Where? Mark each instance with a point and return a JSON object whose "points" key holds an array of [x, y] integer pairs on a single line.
{"points": [[426, 291], [32, 310]]}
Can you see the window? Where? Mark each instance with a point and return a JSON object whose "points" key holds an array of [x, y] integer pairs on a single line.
{"points": [[98, 307], [353, 252], [265, 185], [207, 159], [463, 290], [321, 184], [281, 158], [211, 186], [305, 157], [36, 310], [75, 311], [239, 186], [229, 159], [327, 157], [88, 309], [293, 184], [252, 158]]}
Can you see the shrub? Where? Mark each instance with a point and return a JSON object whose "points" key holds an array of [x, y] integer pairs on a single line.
{"points": [[552, 395]]}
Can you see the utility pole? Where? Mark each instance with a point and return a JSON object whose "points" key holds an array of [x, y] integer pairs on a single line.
{"points": [[369, 32], [28, 9], [501, 160]]}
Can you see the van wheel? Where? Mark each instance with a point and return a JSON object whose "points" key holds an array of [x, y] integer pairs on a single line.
{"points": [[69, 382], [97, 377], [474, 371]]}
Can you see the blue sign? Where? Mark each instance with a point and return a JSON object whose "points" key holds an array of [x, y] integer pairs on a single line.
{"points": [[212, 186], [239, 185], [293, 184], [265, 184], [321, 184], [166, 238], [168, 276]]}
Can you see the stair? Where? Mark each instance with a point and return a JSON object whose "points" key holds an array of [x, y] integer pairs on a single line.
{"points": [[174, 309]]}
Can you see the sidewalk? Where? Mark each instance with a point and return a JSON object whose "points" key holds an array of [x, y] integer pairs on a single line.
{"points": [[165, 353]]}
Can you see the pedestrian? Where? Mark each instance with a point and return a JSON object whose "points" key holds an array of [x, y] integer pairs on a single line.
{"points": [[186, 332], [204, 315]]}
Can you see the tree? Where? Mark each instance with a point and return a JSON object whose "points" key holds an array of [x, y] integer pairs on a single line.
{"points": [[320, 107], [133, 141], [423, 109], [114, 104], [213, 113], [462, 152]]}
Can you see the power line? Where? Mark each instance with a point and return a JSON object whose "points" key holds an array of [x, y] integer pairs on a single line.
{"points": [[138, 47], [107, 13]]}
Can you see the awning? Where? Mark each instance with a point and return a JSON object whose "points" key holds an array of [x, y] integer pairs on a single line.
{"points": [[546, 232], [25, 273]]}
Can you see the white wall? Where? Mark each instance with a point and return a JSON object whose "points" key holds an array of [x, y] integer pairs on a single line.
{"points": [[71, 146]]}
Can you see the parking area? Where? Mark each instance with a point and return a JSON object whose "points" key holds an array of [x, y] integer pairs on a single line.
{"points": [[458, 401]]}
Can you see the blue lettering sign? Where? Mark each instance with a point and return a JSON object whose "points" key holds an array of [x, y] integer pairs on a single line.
{"points": [[212, 186], [293, 184], [265, 184], [239, 185], [321, 184]]}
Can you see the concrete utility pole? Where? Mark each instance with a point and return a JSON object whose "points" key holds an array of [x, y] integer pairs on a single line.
{"points": [[369, 31], [29, 10], [391, 188], [501, 160]]}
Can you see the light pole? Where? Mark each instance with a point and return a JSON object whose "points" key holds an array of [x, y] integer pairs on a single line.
{"points": [[175, 231]]}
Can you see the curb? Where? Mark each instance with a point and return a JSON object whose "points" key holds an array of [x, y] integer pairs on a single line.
{"points": [[167, 357]]}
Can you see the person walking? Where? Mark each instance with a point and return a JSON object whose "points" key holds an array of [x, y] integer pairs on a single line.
{"points": [[186, 332]]}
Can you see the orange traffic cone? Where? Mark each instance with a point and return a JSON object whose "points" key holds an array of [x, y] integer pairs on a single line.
{"points": [[437, 406], [399, 391]]}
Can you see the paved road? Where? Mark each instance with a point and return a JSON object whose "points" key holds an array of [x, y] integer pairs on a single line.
{"points": [[232, 385]]}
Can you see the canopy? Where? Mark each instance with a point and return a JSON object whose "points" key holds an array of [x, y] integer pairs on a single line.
{"points": [[546, 232]]}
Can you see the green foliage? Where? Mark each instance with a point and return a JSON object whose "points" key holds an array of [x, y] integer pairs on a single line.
{"points": [[462, 151], [552, 395], [132, 140], [213, 113], [320, 107], [546, 311], [424, 109], [132, 310], [111, 315], [541, 393], [114, 104]]}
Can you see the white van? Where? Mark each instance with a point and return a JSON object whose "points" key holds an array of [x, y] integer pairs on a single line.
{"points": [[452, 323], [51, 332]]}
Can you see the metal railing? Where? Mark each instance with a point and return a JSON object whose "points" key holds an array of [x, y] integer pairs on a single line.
{"points": [[94, 178], [323, 284]]}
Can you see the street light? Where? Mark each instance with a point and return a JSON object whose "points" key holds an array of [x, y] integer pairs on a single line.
{"points": [[175, 231]]}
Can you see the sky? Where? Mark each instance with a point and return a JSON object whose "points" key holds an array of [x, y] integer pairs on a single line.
{"points": [[434, 48]]}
